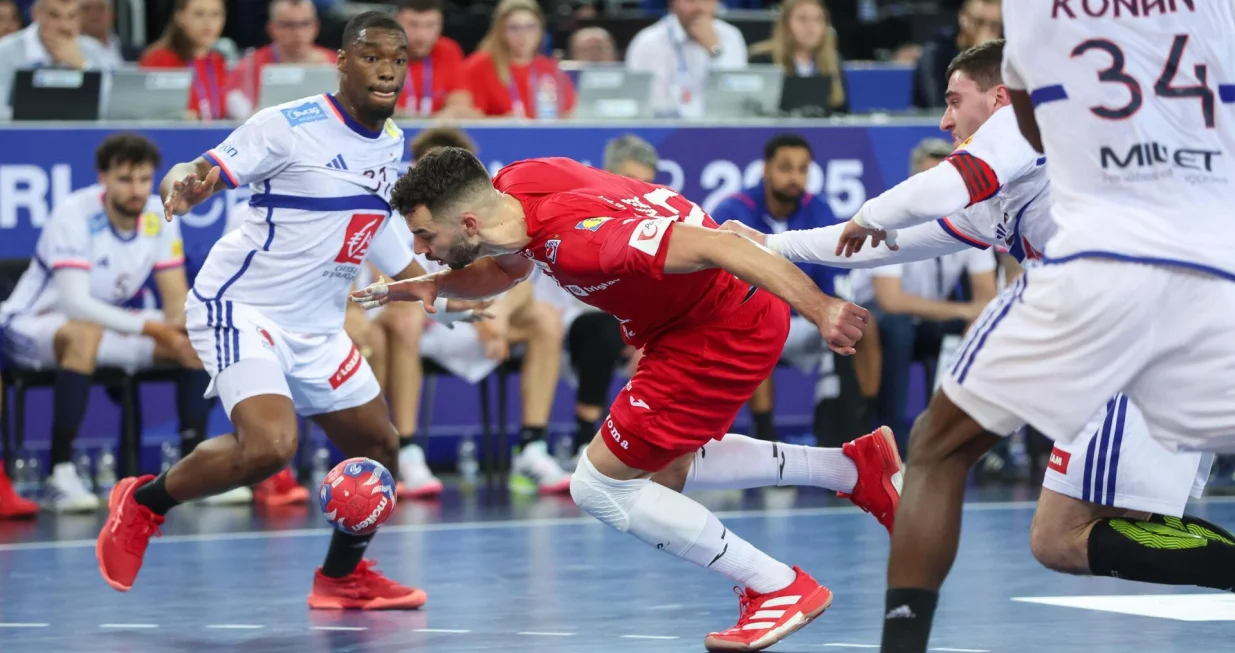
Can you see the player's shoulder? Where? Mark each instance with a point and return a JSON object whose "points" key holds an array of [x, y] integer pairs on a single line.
{"points": [[81, 207], [294, 115], [742, 201]]}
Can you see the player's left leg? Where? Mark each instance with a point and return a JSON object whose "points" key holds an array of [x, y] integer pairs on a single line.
{"points": [[334, 386], [539, 327]]}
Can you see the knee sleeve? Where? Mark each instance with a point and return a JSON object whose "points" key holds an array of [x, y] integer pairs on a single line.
{"points": [[127, 352], [667, 520]]}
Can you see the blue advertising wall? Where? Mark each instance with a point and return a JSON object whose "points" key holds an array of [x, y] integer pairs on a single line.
{"points": [[41, 165]]}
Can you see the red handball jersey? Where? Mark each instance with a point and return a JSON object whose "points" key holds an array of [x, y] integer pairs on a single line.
{"points": [[604, 239]]}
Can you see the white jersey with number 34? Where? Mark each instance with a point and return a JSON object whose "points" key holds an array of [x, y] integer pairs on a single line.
{"points": [[1136, 104]]}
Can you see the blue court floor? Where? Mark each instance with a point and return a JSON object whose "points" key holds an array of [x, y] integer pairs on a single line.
{"points": [[533, 576]]}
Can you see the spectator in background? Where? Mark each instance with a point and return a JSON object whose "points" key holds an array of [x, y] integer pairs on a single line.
{"points": [[777, 204], [292, 28], [593, 337], [187, 42], [508, 76], [915, 311], [53, 41], [680, 50], [979, 21], [93, 255], [10, 18], [435, 84], [98, 21], [592, 45], [804, 43]]}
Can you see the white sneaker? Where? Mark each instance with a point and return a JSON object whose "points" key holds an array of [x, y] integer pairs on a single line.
{"points": [[65, 491], [534, 469], [416, 481], [235, 497]]}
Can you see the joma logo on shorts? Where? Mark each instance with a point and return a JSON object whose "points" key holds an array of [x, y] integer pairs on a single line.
{"points": [[613, 432], [347, 370]]}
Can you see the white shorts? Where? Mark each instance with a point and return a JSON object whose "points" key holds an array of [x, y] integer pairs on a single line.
{"points": [[804, 349], [1066, 337], [29, 341], [458, 350], [1117, 464], [321, 373]]}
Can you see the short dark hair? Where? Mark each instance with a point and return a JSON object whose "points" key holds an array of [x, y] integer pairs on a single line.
{"points": [[122, 149], [779, 141], [418, 6], [442, 177], [368, 20], [982, 63], [436, 137]]}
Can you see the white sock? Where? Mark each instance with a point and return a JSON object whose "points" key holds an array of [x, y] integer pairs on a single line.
{"points": [[739, 462], [677, 525]]}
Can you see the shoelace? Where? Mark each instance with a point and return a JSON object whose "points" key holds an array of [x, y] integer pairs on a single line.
{"points": [[744, 602], [137, 534]]}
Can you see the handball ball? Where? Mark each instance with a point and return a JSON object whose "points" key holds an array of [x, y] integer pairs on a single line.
{"points": [[357, 496]]}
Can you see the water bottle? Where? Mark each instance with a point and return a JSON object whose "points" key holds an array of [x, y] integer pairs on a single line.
{"points": [[321, 467], [34, 475], [21, 475], [169, 455], [82, 462], [469, 468], [546, 97], [105, 471], [564, 450]]}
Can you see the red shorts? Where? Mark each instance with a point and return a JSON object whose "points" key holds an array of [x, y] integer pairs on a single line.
{"points": [[692, 382]]}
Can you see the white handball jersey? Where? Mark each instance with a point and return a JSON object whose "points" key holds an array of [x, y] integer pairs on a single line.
{"points": [[1135, 104], [79, 235], [1017, 215], [321, 187]]}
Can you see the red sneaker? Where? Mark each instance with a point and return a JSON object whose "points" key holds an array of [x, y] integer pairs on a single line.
{"points": [[282, 489], [12, 504], [880, 475], [126, 534], [363, 589], [768, 618]]}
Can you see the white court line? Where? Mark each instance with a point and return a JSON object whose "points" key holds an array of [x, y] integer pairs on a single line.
{"points": [[511, 524], [533, 633], [235, 626], [839, 645], [21, 625], [343, 628], [648, 637], [128, 625], [962, 650], [439, 630]]}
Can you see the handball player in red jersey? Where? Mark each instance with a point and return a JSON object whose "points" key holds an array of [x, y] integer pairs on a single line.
{"points": [[706, 307]]}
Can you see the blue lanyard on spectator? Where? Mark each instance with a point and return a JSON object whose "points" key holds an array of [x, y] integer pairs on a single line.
{"points": [[517, 104], [425, 106], [209, 95]]}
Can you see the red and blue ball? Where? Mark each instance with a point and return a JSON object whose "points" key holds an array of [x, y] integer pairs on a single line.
{"points": [[357, 496]]}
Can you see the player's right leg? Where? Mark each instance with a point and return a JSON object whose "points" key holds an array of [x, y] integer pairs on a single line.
{"points": [[236, 347]]}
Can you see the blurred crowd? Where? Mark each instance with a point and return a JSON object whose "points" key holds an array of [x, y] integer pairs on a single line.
{"points": [[471, 60]]}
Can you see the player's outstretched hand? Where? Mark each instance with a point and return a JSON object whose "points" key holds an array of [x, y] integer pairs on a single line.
{"points": [[854, 237], [475, 308], [842, 325], [189, 192], [420, 289], [738, 227]]}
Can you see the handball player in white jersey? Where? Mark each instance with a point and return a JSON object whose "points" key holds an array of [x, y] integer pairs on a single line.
{"points": [[266, 311], [1136, 287], [1113, 483]]}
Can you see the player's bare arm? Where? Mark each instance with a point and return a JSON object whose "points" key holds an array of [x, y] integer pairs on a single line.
{"points": [[476, 306], [692, 249], [188, 184], [1023, 107], [487, 277]]}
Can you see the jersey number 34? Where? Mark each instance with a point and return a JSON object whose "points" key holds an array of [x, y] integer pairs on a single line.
{"points": [[1162, 87]]}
